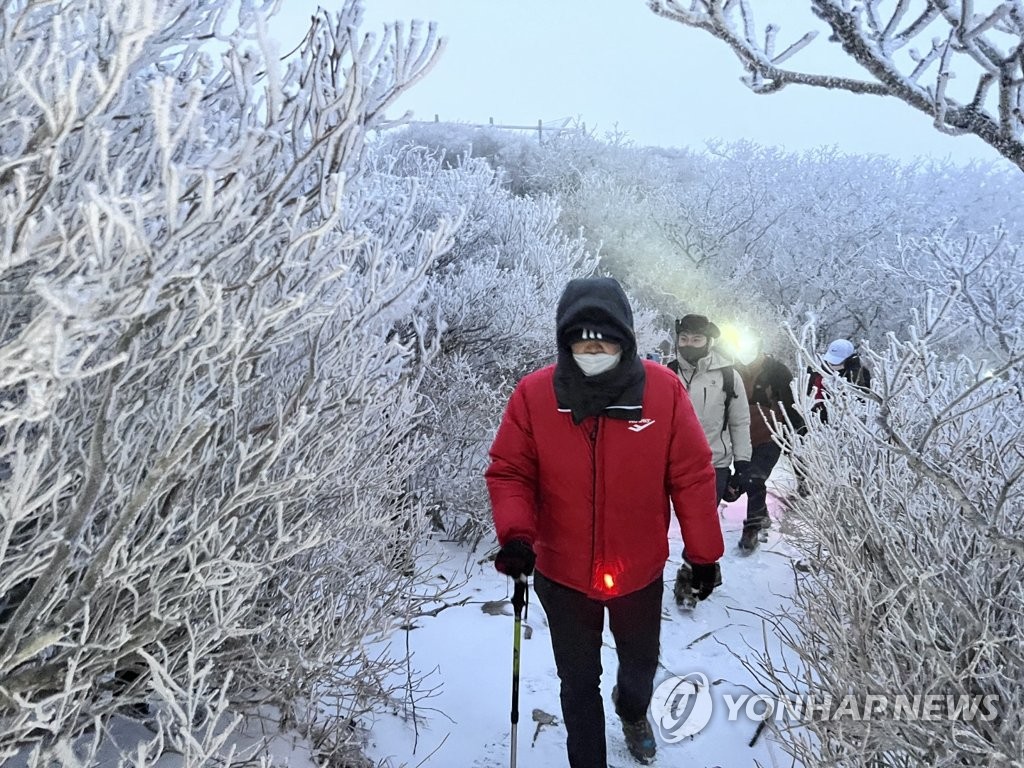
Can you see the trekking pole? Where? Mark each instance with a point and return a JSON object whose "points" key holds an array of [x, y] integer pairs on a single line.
{"points": [[519, 600]]}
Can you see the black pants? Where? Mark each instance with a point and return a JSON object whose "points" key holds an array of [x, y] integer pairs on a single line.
{"points": [[576, 623], [762, 461]]}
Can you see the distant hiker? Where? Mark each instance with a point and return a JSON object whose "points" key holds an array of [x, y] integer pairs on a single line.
{"points": [[665, 348], [713, 384], [588, 456], [769, 395], [841, 357]]}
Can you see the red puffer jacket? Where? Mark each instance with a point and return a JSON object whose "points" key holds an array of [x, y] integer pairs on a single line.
{"points": [[593, 499]]}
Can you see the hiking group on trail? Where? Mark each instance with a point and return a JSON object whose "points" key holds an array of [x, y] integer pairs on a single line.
{"points": [[592, 455]]}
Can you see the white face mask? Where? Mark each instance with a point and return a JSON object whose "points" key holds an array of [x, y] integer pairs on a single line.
{"points": [[592, 365]]}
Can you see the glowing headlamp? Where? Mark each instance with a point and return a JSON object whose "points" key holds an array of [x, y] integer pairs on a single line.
{"points": [[741, 344]]}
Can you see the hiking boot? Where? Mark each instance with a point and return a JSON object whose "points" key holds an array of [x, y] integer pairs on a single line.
{"points": [[640, 740], [683, 589], [750, 539], [638, 734]]}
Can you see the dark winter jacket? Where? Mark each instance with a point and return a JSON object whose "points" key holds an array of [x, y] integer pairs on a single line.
{"points": [[770, 397]]}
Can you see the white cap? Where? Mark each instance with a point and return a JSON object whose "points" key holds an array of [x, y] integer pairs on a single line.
{"points": [[837, 351]]}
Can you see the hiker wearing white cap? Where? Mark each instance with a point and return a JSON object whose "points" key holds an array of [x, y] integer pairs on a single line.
{"points": [[841, 357]]}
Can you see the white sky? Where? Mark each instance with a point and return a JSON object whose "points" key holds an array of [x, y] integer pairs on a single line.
{"points": [[613, 63]]}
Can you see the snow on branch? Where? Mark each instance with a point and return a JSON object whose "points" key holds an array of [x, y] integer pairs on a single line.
{"points": [[911, 530], [207, 422], [955, 45]]}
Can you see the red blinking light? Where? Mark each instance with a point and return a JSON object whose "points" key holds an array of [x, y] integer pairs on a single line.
{"points": [[609, 581]]}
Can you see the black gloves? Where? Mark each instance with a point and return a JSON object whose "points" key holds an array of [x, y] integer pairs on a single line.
{"points": [[515, 559], [732, 490], [705, 578], [695, 582], [737, 484]]}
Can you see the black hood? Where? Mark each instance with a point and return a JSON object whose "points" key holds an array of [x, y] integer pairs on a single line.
{"points": [[595, 303], [598, 304]]}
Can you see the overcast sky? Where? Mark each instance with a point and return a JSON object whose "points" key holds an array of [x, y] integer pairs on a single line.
{"points": [[614, 64]]}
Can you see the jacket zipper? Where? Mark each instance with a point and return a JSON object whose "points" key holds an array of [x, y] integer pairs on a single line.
{"points": [[593, 490]]}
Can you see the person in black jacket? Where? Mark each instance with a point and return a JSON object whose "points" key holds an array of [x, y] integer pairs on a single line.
{"points": [[769, 393]]}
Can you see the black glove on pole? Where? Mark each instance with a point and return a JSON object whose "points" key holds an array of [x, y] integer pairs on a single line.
{"points": [[519, 598], [515, 559]]}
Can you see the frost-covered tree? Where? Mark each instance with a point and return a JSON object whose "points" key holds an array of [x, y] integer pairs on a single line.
{"points": [[207, 418], [492, 298], [520, 159], [749, 233], [753, 234], [911, 528], [958, 61], [911, 534]]}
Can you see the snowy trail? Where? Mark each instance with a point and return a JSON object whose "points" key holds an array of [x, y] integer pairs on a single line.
{"points": [[464, 656], [469, 653]]}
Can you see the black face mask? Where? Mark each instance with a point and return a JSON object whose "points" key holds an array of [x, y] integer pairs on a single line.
{"points": [[693, 354]]}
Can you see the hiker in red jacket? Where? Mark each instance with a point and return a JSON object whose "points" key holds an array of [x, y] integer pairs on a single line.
{"points": [[588, 457]]}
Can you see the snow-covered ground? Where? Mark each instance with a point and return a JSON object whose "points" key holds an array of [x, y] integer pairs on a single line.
{"points": [[127, 742], [468, 653], [462, 658]]}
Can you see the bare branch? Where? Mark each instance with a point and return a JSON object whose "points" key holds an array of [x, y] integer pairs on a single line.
{"points": [[971, 43]]}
